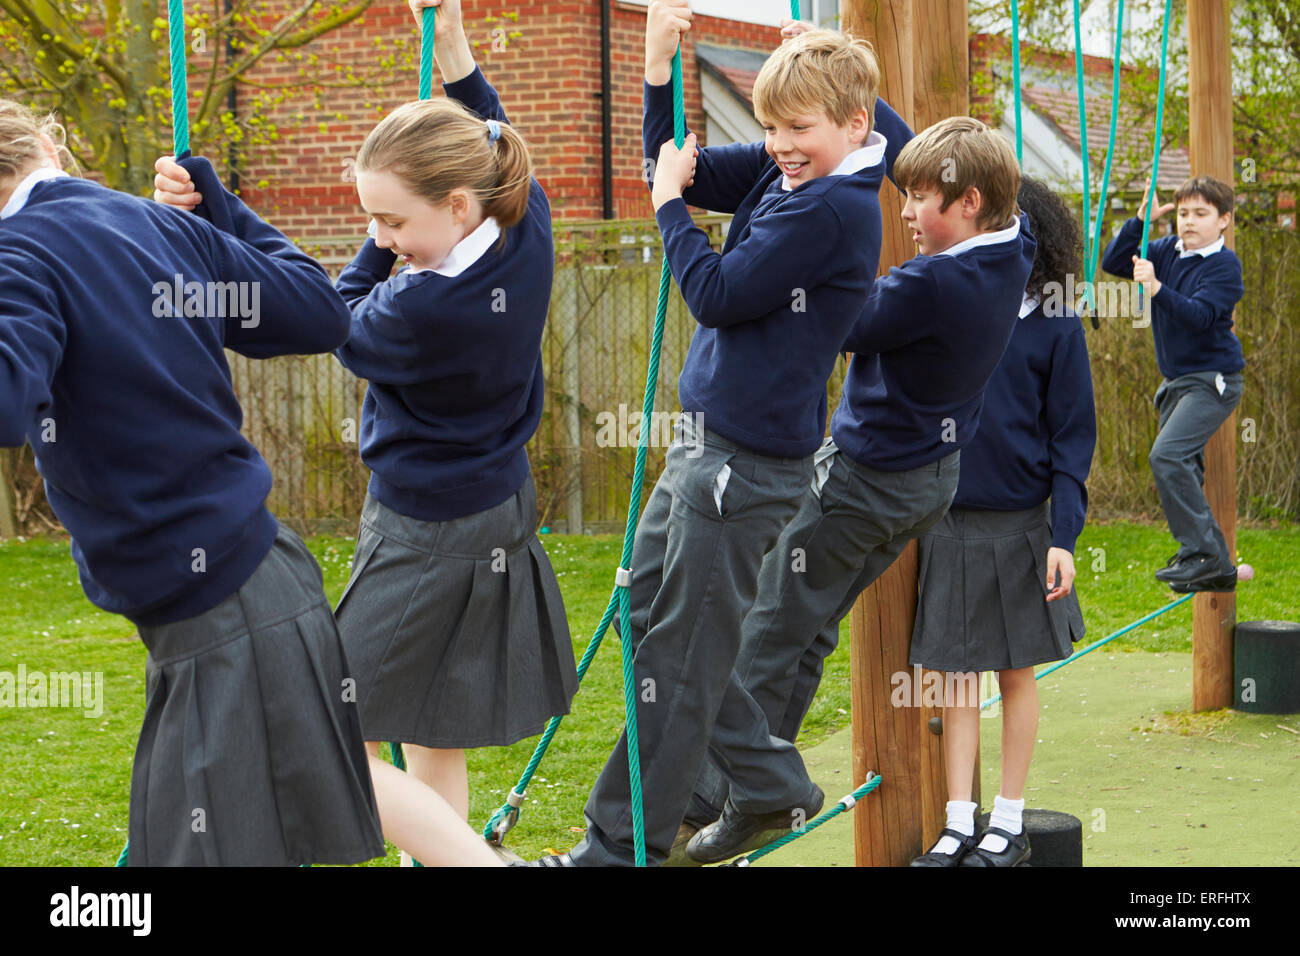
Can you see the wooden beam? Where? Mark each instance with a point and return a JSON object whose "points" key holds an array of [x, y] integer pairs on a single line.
{"points": [[1214, 616], [922, 48]]}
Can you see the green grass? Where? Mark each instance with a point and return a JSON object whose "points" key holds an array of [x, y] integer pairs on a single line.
{"points": [[64, 793]]}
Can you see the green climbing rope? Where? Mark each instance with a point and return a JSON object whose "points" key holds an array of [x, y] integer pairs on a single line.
{"points": [[180, 104], [1015, 76], [1155, 152], [1091, 267], [426, 53], [847, 802], [1089, 297], [1096, 644], [507, 815]]}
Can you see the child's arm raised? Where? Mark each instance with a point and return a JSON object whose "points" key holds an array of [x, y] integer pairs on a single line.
{"points": [[725, 174], [1118, 257], [462, 80], [299, 314]]}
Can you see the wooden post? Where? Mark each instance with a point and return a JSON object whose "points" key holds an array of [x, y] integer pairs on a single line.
{"points": [[568, 329], [1214, 615], [922, 47]]}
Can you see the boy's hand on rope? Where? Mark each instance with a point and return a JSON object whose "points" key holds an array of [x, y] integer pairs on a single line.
{"points": [[1145, 273], [1059, 561], [674, 172], [447, 24], [792, 28], [666, 22], [172, 186]]}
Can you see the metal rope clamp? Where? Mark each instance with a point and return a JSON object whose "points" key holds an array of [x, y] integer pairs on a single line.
{"points": [[515, 801]]}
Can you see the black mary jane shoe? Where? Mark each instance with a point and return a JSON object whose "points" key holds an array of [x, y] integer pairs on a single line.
{"points": [[1016, 852], [934, 858]]}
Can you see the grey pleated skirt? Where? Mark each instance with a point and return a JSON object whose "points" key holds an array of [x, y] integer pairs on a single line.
{"points": [[251, 752], [456, 630], [981, 587]]}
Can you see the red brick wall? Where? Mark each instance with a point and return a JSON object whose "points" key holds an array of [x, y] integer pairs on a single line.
{"points": [[549, 79]]}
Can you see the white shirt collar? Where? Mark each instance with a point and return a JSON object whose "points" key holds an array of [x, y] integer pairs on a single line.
{"points": [[466, 252], [862, 158], [19, 198], [983, 239], [1029, 304], [1209, 250]]}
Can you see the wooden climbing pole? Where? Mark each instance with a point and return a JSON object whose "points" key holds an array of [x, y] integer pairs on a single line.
{"points": [[923, 51], [1214, 615]]}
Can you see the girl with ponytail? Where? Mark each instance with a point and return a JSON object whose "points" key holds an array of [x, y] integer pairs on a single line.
{"points": [[452, 620]]}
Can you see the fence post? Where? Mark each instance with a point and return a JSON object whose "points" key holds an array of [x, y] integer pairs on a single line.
{"points": [[8, 519], [573, 405]]}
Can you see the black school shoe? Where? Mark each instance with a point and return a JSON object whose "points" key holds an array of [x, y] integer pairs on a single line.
{"points": [[934, 858], [735, 832], [1016, 852], [1171, 566], [1202, 572], [1195, 569]]}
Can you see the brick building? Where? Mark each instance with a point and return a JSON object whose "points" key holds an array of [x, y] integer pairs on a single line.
{"points": [[544, 56]]}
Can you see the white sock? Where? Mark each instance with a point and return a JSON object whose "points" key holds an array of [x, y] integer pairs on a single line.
{"points": [[1007, 815], [961, 817]]}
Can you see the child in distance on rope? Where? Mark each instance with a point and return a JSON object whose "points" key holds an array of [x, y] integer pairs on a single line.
{"points": [[1193, 282]]}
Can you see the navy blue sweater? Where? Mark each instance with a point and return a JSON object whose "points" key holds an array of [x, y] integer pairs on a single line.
{"points": [[1038, 429], [774, 307], [930, 336], [1191, 315], [454, 363], [147, 465]]}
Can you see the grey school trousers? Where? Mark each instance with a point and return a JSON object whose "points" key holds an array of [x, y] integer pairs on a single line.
{"points": [[715, 511], [1191, 410], [851, 526]]}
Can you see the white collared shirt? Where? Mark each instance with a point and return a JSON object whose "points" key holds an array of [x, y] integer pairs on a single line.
{"points": [[861, 158], [1209, 250], [1029, 304], [983, 239], [20, 195], [465, 253]]}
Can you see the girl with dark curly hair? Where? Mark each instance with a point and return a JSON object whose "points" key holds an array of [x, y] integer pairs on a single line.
{"points": [[997, 573]]}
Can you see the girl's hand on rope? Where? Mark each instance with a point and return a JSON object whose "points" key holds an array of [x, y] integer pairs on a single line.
{"points": [[792, 28], [1153, 198], [666, 22], [447, 25], [1145, 273], [674, 172], [172, 186], [1059, 561]]}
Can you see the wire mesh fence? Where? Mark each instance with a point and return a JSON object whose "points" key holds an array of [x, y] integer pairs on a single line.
{"points": [[303, 413]]}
